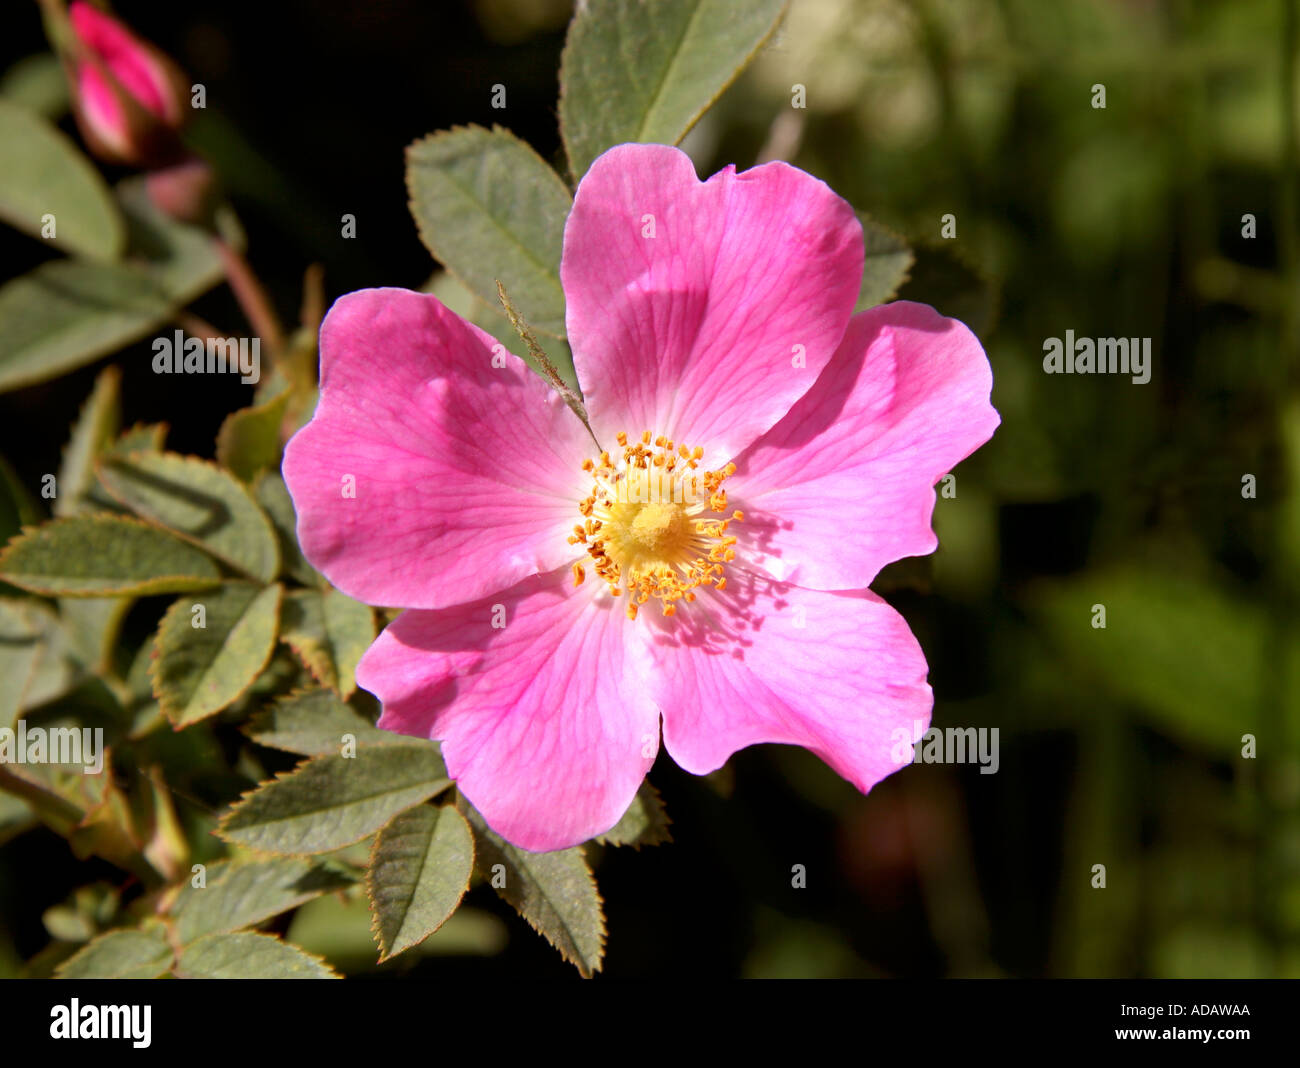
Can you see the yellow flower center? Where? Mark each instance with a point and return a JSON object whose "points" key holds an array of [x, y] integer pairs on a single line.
{"points": [[654, 524]]}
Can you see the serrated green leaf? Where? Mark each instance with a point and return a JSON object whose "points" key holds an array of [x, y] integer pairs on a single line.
{"points": [[249, 955], [67, 313], [123, 954], [273, 497], [419, 871], [199, 670], [199, 502], [888, 261], [249, 439], [34, 664], [246, 892], [332, 801], [93, 433], [314, 723], [104, 556], [646, 70], [554, 892], [143, 437], [92, 625], [488, 207], [645, 823], [329, 632], [44, 173]]}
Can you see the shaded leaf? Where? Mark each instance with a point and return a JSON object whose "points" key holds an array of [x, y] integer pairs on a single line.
{"points": [[66, 313], [488, 207], [273, 496], [888, 260], [645, 823], [92, 625], [646, 70], [332, 801], [314, 723], [43, 172], [199, 502], [942, 278], [249, 955], [34, 663], [554, 892], [123, 954], [249, 439], [329, 631], [102, 555], [244, 893], [93, 433], [199, 670], [419, 870]]}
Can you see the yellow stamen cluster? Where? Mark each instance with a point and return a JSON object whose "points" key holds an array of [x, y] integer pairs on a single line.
{"points": [[645, 524]]}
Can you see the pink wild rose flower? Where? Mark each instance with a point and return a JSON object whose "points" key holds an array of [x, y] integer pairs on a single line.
{"points": [[763, 453]]}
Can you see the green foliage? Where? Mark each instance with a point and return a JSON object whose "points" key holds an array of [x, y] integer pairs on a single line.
{"points": [[887, 263], [249, 955], [249, 440], [123, 954], [554, 892], [244, 893], [93, 433], [315, 722], [488, 207], [66, 313], [645, 823], [273, 497], [419, 871], [42, 173], [646, 71], [101, 555], [332, 801], [210, 649], [198, 502], [329, 631]]}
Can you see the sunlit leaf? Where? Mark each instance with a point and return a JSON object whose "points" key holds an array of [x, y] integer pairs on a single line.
{"points": [[101, 556], [249, 955], [488, 207], [419, 871], [646, 70], [211, 647], [333, 801], [554, 892]]}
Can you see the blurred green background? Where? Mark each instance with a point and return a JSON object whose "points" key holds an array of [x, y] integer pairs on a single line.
{"points": [[1120, 746]]}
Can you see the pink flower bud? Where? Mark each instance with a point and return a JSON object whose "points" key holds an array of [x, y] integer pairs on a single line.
{"points": [[129, 98], [186, 191]]}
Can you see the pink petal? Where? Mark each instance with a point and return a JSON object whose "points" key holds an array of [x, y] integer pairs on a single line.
{"points": [[545, 723], [127, 58], [696, 333], [467, 476], [837, 673], [844, 484], [101, 109]]}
